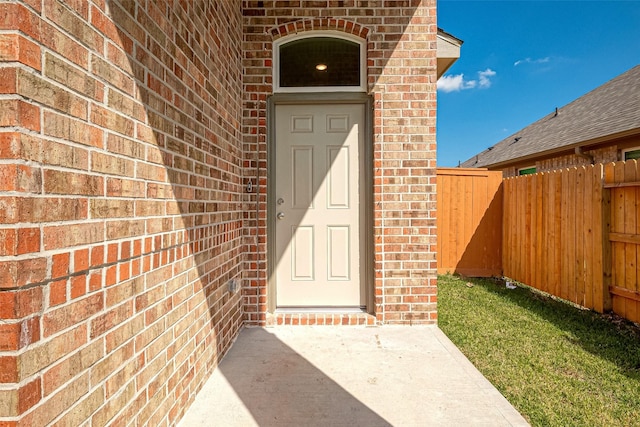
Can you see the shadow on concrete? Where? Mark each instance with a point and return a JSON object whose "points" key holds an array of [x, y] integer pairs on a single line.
{"points": [[320, 376], [280, 387]]}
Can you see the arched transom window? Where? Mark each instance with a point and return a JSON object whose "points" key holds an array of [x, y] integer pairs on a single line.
{"points": [[319, 62]]}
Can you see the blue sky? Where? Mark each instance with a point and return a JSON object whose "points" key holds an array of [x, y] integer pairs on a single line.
{"points": [[522, 59]]}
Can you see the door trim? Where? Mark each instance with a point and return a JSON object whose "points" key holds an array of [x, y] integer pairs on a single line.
{"points": [[367, 162]]}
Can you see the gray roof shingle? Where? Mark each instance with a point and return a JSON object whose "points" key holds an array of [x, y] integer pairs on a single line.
{"points": [[610, 109]]}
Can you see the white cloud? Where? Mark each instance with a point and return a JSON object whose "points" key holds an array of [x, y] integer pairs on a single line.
{"points": [[457, 82], [532, 61], [484, 77]]}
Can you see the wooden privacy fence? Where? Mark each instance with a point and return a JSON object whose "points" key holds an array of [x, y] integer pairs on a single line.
{"points": [[553, 234], [574, 233], [469, 221]]}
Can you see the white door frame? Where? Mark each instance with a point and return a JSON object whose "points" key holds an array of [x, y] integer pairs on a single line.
{"points": [[367, 258]]}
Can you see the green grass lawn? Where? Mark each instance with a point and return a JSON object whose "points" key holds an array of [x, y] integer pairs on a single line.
{"points": [[557, 364]]}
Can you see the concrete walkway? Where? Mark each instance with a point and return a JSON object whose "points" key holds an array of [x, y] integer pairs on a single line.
{"points": [[348, 376]]}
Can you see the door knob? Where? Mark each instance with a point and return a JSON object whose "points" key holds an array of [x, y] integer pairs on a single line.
{"points": [[280, 215]]}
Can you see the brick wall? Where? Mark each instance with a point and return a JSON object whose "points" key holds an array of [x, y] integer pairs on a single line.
{"points": [[401, 66], [120, 206], [126, 132]]}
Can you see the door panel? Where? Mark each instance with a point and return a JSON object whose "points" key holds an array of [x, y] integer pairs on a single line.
{"points": [[338, 253], [319, 227], [302, 177], [339, 181], [302, 245]]}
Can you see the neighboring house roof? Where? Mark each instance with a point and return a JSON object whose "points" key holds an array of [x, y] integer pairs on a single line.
{"points": [[448, 50], [609, 111]]}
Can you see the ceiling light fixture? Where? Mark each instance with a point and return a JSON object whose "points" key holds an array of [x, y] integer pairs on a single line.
{"points": [[321, 67]]}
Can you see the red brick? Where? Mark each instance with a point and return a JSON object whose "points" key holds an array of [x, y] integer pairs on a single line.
{"points": [[22, 272], [28, 179], [95, 281], [15, 47], [125, 270], [18, 113], [29, 332], [34, 4], [58, 292], [7, 177], [81, 260], [15, 145], [22, 178], [8, 242], [29, 395], [20, 303], [112, 253], [137, 247], [78, 286], [146, 263], [97, 256], [16, 17], [9, 336], [60, 265], [111, 276], [8, 85], [14, 336], [8, 369], [125, 250], [135, 267], [28, 241]]}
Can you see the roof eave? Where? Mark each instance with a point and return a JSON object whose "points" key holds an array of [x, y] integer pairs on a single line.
{"points": [[448, 51], [564, 148]]}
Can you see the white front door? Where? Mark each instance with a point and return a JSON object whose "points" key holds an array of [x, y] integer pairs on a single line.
{"points": [[318, 198]]}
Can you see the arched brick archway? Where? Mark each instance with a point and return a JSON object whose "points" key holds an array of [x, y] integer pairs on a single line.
{"points": [[303, 25]]}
